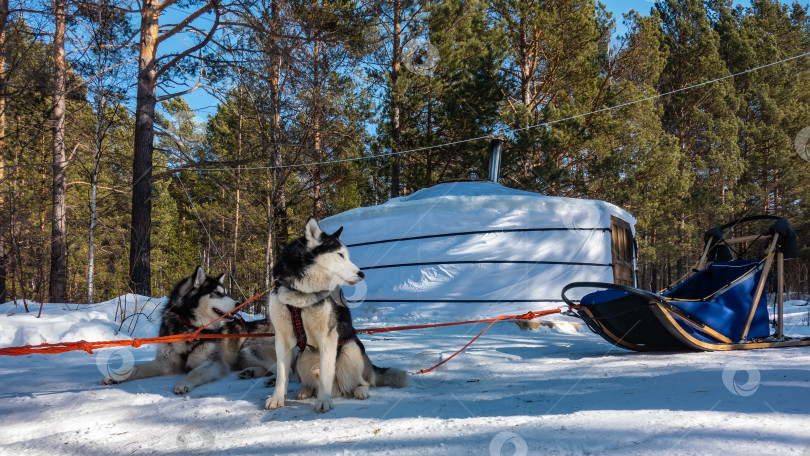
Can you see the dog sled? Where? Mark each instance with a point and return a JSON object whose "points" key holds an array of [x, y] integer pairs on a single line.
{"points": [[722, 306]]}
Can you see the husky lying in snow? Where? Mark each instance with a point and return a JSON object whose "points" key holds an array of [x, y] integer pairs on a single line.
{"points": [[195, 302], [307, 309]]}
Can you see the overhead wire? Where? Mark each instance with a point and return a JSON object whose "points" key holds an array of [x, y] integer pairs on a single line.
{"points": [[495, 133], [502, 130]]}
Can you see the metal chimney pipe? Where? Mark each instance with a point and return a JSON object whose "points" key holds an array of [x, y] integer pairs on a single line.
{"points": [[495, 159]]}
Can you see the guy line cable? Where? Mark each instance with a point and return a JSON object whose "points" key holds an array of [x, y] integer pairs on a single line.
{"points": [[503, 129]]}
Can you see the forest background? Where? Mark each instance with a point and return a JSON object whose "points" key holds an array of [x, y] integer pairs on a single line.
{"points": [[110, 183]]}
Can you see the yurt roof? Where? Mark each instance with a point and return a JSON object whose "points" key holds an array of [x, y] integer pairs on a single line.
{"points": [[474, 249], [457, 206]]}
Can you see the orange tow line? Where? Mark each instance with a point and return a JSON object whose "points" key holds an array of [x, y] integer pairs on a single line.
{"points": [[187, 337]]}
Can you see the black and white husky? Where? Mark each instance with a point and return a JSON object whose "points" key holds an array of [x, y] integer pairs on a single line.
{"points": [[195, 302], [307, 310]]}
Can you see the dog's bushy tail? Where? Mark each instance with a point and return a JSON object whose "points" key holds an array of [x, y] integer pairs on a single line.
{"points": [[389, 376]]}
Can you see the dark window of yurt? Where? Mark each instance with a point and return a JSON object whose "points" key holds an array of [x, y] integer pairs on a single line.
{"points": [[621, 237]]}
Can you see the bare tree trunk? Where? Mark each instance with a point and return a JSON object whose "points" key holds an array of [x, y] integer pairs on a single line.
{"points": [[140, 242], [395, 98], [279, 179], [429, 125], [98, 133], [235, 251], [93, 194], [316, 194], [13, 232], [317, 140], [38, 292], [269, 258], [276, 205], [526, 75], [148, 75], [3, 210], [275, 136], [680, 265], [58, 273]]}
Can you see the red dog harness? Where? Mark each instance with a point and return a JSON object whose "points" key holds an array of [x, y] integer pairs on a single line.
{"points": [[298, 326], [301, 335]]}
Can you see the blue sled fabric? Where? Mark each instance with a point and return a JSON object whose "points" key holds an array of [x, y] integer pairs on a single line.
{"points": [[724, 310], [706, 300]]}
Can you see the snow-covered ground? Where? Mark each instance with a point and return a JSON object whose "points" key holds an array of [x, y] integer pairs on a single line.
{"points": [[559, 390]]}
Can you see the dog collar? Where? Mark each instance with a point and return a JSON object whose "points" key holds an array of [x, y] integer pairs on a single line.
{"points": [[187, 323], [278, 284]]}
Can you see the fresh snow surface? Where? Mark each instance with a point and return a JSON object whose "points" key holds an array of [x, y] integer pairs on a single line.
{"points": [[556, 391]]}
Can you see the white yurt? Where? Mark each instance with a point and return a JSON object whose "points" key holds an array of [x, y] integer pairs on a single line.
{"points": [[477, 249]]}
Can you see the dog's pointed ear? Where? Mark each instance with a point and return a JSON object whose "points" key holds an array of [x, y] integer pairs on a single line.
{"points": [[185, 286], [312, 232], [338, 232], [199, 277], [221, 278]]}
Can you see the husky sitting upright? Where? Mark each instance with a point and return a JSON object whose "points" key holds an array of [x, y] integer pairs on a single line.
{"points": [[307, 309], [195, 302]]}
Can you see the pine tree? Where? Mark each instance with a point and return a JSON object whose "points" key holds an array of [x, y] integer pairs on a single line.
{"points": [[555, 69], [150, 74], [399, 23], [648, 183], [332, 110], [773, 107], [58, 271], [702, 119], [458, 97], [106, 50]]}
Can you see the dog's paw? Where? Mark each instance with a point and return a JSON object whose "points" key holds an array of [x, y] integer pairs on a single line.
{"points": [[273, 403], [361, 392], [250, 372], [324, 404], [181, 388], [271, 381], [108, 381], [305, 392]]}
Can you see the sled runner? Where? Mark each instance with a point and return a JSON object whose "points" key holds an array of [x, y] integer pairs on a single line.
{"points": [[722, 306]]}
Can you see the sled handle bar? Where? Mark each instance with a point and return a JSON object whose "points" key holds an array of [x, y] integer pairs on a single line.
{"points": [[749, 218], [613, 286]]}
